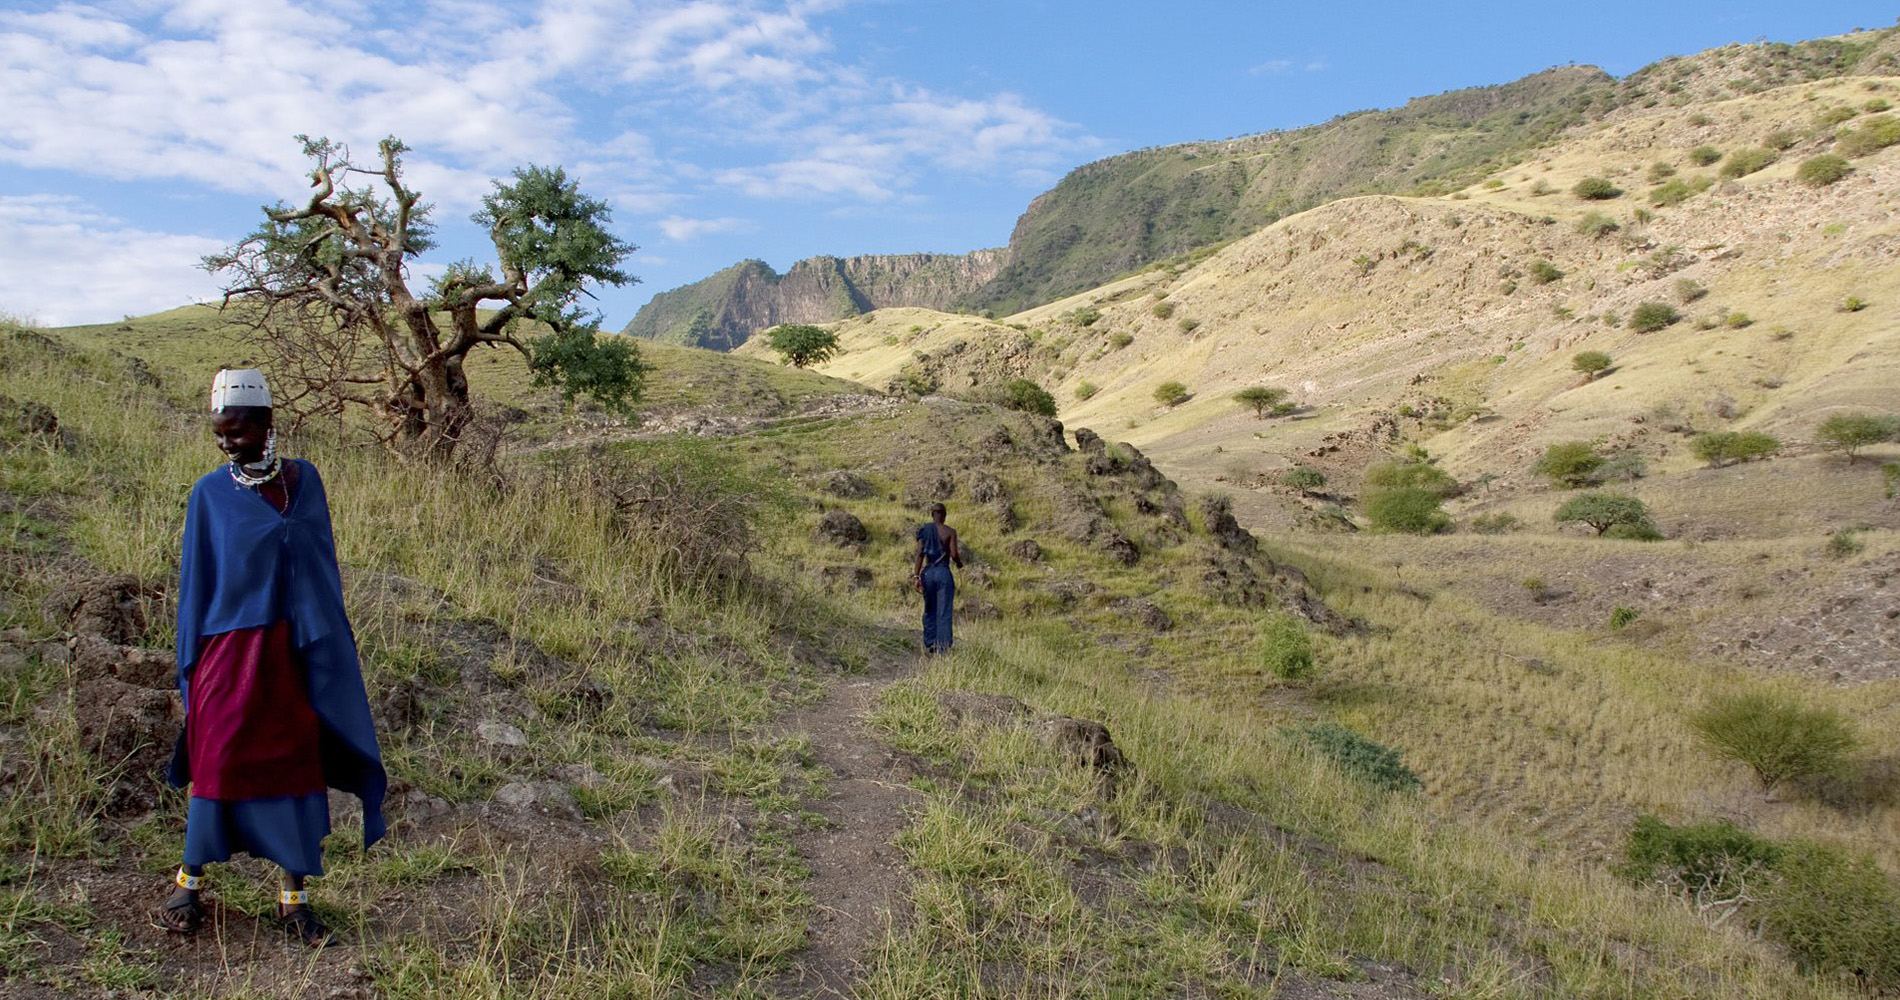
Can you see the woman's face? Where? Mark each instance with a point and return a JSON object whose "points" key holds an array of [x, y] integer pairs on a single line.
{"points": [[240, 435]]}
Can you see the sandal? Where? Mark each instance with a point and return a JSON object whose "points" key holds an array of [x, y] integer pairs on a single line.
{"points": [[298, 920], [183, 913]]}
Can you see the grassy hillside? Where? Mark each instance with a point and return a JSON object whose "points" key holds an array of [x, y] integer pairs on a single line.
{"points": [[686, 750]]}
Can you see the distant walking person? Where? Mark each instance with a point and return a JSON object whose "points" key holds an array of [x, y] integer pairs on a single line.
{"points": [[930, 574], [275, 711]]}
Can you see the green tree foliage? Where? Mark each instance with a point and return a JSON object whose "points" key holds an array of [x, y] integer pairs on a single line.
{"points": [[1086, 389], [1596, 225], [1544, 272], [1820, 171], [580, 362], [1705, 861], [1604, 511], [1873, 135], [323, 289], [1412, 475], [1775, 735], [1304, 478], [1836, 914], [1596, 189], [1171, 394], [1719, 448], [1743, 162], [1373, 763], [1591, 363], [1412, 510], [1569, 463], [1025, 395], [1262, 399], [1652, 316], [801, 344], [1848, 433], [1702, 156], [1285, 648]]}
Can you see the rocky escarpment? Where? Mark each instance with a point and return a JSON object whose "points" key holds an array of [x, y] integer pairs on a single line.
{"points": [[722, 311]]}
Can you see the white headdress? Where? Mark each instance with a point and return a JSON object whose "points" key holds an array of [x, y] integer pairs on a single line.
{"points": [[239, 387]]}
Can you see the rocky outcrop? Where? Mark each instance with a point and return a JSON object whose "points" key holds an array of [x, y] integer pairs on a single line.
{"points": [[723, 311]]}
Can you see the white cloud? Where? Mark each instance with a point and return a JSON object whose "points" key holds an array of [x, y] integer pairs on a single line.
{"points": [[63, 261], [1277, 67], [684, 230]]}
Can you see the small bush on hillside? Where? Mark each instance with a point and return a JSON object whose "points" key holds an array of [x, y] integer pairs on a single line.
{"points": [[1707, 862], [1285, 648], [1775, 735], [1410, 510], [1163, 310], [1621, 616], [1086, 316], [1890, 478], [1873, 135], [1024, 395], [1848, 433], [1604, 511], [1737, 320], [1780, 138], [1544, 272], [1596, 189], [1569, 463], [1830, 117], [1171, 394], [1304, 478], [1591, 363], [1378, 765], [1853, 304], [1635, 531], [1413, 474], [1622, 466], [1085, 389], [1819, 172], [1702, 156], [1677, 191], [1117, 341], [1877, 104], [1689, 290], [1844, 542], [1659, 172], [1597, 225], [1188, 324], [1836, 913], [1743, 162], [1652, 316], [1719, 448], [1500, 523]]}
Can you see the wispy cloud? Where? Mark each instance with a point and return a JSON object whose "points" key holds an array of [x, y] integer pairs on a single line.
{"points": [[671, 109], [683, 230], [1280, 67], [64, 261]]}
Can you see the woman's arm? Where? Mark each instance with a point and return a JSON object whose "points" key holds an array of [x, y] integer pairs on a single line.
{"points": [[917, 564], [956, 551]]}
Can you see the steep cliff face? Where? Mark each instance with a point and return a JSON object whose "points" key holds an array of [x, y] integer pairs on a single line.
{"points": [[722, 311]]}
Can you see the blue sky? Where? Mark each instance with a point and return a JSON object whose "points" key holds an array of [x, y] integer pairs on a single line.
{"points": [[138, 135]]}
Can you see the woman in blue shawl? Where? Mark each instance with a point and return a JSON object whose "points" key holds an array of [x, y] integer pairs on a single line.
{"points": [[275, 711]]}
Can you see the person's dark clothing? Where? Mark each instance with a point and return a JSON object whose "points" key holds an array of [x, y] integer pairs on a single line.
{"points": [[940, 590]]}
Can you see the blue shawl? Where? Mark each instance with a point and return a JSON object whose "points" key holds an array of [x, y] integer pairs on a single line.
{"points": [[245, 566]]}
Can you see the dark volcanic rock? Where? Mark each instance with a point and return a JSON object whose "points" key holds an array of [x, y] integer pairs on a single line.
{"points": [[1025, 549], [841, 528]]}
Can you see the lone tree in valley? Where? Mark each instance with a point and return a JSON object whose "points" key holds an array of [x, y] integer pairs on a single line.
{"points": [[325, 290], [1171, 394], [1591, 363], [801, 344], [1848, 433], [1604, 511], [1262, 399]]}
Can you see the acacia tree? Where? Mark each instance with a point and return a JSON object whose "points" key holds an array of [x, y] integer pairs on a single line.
{"points": [[801, 344], [325, 290], [1261, 398]]}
